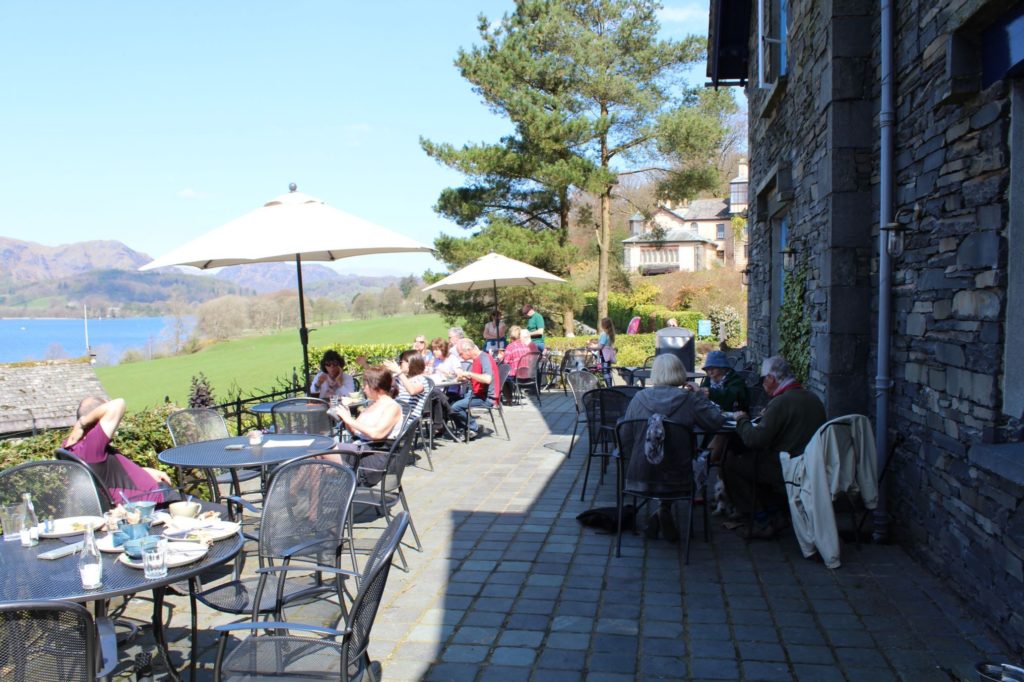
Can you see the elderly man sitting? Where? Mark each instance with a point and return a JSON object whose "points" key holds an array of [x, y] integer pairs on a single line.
{"points": [[792, 416], [484, 381]]}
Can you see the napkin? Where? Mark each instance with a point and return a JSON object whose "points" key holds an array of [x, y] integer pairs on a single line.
{"points": [[304, 443]]}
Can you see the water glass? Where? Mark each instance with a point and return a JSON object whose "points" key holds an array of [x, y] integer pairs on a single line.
{"points": [[154, 560], [334, 401], [112, 522], [10, 519]]}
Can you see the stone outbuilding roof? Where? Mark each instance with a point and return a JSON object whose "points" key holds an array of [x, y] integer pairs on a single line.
{"points": [[671, 237], [45, 395], [703, 209]]}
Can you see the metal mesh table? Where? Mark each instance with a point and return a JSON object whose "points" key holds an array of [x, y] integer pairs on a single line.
{"points": [[215, 454]]}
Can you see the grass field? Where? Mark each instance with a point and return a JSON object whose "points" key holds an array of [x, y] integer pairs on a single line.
{"points": [[253, 362]]}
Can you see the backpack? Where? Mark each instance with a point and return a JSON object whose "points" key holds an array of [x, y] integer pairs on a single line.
{"points": [[606, 520]]}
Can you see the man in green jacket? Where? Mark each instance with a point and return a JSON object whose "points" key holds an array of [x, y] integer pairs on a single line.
{"points": [[792, 416]]}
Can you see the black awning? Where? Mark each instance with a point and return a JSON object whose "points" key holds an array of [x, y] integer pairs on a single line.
{"points": [[729, 42]]}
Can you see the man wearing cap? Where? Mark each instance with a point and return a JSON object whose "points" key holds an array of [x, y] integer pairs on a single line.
{"points": [[723, 385], [535, 324], [792, 416]]}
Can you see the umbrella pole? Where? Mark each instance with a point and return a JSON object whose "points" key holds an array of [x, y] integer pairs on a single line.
{"points": [[495, 283], [303, 331]]}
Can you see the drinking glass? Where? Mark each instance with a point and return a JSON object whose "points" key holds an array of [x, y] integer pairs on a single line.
{"points": [[154, 560], [10, 519]]}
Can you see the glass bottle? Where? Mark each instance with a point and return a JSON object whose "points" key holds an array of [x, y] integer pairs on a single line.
{"points": [[90, 564], [29, 523]]}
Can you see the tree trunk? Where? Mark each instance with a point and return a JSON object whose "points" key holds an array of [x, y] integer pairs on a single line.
{"points": [[603, 243], [569, 320]]}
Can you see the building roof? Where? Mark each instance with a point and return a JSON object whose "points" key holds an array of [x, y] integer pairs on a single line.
{"points": [[703, 209], [671, 237], [39, 396]]}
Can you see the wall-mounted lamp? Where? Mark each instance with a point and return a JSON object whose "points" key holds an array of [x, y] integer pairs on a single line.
{"points": [[788, 258], [895, 231], [745, 276]]}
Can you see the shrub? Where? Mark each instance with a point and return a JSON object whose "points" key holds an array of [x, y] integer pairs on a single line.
{"points": [[200, 394], [622, 308], [726, 324], [375, 353]]}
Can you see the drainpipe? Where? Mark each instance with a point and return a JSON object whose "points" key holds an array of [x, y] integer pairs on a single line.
{"points": [[883, 382]]}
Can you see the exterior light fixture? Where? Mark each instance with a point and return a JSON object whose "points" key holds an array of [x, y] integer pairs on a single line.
{"points": [[788, 258], [896, 231], [745, 276]]}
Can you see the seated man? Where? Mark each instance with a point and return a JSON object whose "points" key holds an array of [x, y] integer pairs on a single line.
{"points": [[484, 379], [90, 440], [792, 416]]}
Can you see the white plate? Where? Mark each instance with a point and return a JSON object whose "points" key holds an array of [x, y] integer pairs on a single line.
{"points": [[217, 530], [178, 554], [105, 543], [72, 525]]}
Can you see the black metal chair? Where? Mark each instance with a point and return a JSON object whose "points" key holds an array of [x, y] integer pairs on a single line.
{"points": [[628, 391], [503, 376], [603, 408], [578, 359], [339, 653], [580, 382], [59, 488], [302, 415], [303, 526], [526, 375], [373, 502], [198, 424], [44, 641], [667, 480], [107, 499]]}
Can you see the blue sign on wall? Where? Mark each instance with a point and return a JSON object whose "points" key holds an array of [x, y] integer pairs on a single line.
{"points": [[703, 327]]}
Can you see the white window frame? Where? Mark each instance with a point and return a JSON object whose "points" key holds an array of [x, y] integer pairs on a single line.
{"points": [[771, 41]]}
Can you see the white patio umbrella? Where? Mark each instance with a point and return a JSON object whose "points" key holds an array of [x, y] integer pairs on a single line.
{"points": [[294, 226], [493, 271]]}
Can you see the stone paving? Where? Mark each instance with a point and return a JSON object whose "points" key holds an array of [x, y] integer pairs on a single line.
{"points": [[510, 587]]}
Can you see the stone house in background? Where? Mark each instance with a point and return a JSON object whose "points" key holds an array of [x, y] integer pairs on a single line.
{"points": [[41, 396], [696, 235], [912, 122]]}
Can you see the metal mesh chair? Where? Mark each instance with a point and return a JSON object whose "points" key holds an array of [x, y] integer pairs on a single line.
{"points": [[59, 489], [578, 359], [44, 641], [340, 653], [580, 382], [526, 375], [628, 391], [303, 526], [503, 376], [669, 480], [379, 498], [302, 415], [199, 424], [603, 408]]}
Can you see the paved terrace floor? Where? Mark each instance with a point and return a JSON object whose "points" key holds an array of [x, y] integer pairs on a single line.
{"points": [[510, 587]]}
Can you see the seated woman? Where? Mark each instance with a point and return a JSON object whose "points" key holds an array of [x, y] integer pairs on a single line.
{"points": [[89, 440], [520, 346], [380, 421], [724, 387], [494, 333], [412, 384], [332, 380], [675, 400]]}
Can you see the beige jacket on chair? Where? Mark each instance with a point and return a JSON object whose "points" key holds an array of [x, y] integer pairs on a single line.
{"points": [[839, 457]]}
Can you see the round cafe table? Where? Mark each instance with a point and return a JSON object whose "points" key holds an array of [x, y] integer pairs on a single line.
{"points": [[24, 577], [222, 453]]}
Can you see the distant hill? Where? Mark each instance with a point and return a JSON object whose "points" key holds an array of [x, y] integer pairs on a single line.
{"points": [[39, 281], [22, 262]]}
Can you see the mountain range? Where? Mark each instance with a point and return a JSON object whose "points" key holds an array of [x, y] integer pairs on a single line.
{"points": [[39, 280]]}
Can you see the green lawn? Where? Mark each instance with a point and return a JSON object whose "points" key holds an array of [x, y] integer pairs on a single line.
{"points": [[254, 362]]}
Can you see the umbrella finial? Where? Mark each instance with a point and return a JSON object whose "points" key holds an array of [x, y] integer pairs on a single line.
{"points": [[292, 187]]}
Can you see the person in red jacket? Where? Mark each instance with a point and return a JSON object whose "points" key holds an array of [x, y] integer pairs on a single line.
{"points": [[484, 384]]}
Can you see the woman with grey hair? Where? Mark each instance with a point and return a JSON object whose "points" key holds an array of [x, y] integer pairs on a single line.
{"points": [[672, 399]]}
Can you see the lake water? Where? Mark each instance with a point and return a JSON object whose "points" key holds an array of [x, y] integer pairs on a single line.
{"points": [[45, 339]]}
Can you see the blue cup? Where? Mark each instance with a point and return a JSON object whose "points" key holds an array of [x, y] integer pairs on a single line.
{"points": [[144, 507], [130, 532], [134, 548]]}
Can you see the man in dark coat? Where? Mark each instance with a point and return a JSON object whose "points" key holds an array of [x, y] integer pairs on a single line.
{"points": [[792, 416]]}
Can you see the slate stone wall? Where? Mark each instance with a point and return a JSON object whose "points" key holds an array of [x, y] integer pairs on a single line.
{"points": [[954, 500]]}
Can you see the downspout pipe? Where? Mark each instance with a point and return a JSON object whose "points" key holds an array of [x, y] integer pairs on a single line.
{"points": [[883, 382]]}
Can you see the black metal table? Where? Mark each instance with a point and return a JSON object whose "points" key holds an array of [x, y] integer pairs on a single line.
{"points": [[263, 409], [642, 374], [24, 576], [214, 454]]}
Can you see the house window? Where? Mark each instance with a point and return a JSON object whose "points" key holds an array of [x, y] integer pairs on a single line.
{"points": [[720, 231], [1013, 367], [693, 226], [771, 41]]}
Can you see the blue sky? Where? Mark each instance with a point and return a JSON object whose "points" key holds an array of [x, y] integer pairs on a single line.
{"points": [[154, 122]]}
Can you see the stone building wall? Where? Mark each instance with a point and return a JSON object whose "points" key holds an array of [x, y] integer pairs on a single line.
{"points": [[956, 496]]}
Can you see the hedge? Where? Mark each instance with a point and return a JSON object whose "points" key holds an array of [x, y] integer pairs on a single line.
{"points": [[652, 316]]}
